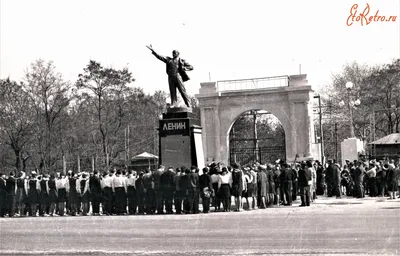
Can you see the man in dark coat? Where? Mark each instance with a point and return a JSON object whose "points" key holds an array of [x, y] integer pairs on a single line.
{"points": [[3, 195], [205, 189], [167, 184], [329, 178], [158, 190], [11, 183], [141, 193], [359, 179], [193, 190], [44, 206], [95, 192], [304, 181], [295, 182], [148, 182], [178, 194], [183, 185], [286, 180]]}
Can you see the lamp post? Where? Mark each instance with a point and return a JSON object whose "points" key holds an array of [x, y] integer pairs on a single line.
{"points": [[351, 104]]}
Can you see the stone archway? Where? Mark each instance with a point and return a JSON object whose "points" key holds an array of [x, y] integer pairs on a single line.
{"points": [[290, 102]]}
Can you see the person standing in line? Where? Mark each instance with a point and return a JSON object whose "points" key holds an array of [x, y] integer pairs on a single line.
{"points": [[196, 198], [215, 174], [131, 192], [72, 191], [313, 187], [255, 188], [305, 180], [277, 174], [224, 189], [84, 191], [271, 185], [249, 189], [237, 186], [192, 193], [157, 189], [119, 189], [183, 185], [51, 189], [329, 178], [44, 197], [61, 186], [372, 180], [22, 194], [205, 189], [381, 181], [33, 194], [263, 186], [108, 193], [397, 172], [167, 184], [359, 179], [178, 194], [295, 172], [95, 192], [141, 193], [3, 195], [286, 183], [11, 194], [391, 180], [148, 180]]}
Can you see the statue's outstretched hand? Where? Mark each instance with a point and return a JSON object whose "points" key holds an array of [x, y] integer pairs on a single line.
{"points": [[150, 47]]}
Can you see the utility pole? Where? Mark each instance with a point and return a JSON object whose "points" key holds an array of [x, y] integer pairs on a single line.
{"points": [[255, 135], [336, 141], [320, 129]]}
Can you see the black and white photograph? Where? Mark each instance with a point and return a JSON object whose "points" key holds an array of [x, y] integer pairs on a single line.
{"points": [[206, 127]]}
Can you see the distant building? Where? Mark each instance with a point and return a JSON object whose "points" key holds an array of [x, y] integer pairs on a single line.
{"points": [[386, 147]]}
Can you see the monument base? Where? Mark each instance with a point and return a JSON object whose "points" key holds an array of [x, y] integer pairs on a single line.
{"points": [[351, 148], [179, 109], [180, 139]]}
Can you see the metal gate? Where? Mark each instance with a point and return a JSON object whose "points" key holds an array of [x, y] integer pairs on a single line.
{"points": [[263, 155]]}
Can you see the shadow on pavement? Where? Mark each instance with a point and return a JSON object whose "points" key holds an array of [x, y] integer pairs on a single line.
{"points": [[343, 203], [391, 208]]}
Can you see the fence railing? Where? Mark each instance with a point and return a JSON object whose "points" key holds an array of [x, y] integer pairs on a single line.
{"points": [[254, 83]]}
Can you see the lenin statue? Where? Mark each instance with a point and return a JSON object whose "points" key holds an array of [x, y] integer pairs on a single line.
{"points": [[176, 70]]}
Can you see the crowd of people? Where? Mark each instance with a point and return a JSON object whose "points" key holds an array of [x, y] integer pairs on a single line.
{"points": [[182, 190]]}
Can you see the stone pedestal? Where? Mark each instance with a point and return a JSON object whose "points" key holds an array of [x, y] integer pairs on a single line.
{"points": [[180, 139], [350, 149]]}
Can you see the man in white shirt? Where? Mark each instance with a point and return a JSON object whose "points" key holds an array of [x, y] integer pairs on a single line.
{"points": [[120, 189], [131, 192]]}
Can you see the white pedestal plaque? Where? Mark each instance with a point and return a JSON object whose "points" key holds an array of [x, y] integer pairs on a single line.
{"points": [[351, 147]]}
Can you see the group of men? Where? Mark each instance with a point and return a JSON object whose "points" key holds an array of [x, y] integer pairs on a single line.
{"points": [[179, 190], [117, 192], [373, 178]]}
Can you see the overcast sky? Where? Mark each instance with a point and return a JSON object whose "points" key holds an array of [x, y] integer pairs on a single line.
{"points": [[222, 39]]}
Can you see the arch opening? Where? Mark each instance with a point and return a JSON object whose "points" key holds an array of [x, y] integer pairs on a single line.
{"points": [[256, 136]]}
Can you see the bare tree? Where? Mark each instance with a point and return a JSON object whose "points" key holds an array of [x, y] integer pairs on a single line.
{"points": [[17, 120], [50, 97]]}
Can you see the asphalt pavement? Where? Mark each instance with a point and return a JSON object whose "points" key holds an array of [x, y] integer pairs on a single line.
{"points": [[330, 226]]}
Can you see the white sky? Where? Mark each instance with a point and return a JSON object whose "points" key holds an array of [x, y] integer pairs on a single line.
{"points": [[228, 39]]}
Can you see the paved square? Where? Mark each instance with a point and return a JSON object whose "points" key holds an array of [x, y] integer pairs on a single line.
{"points": [[345, 226]]}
